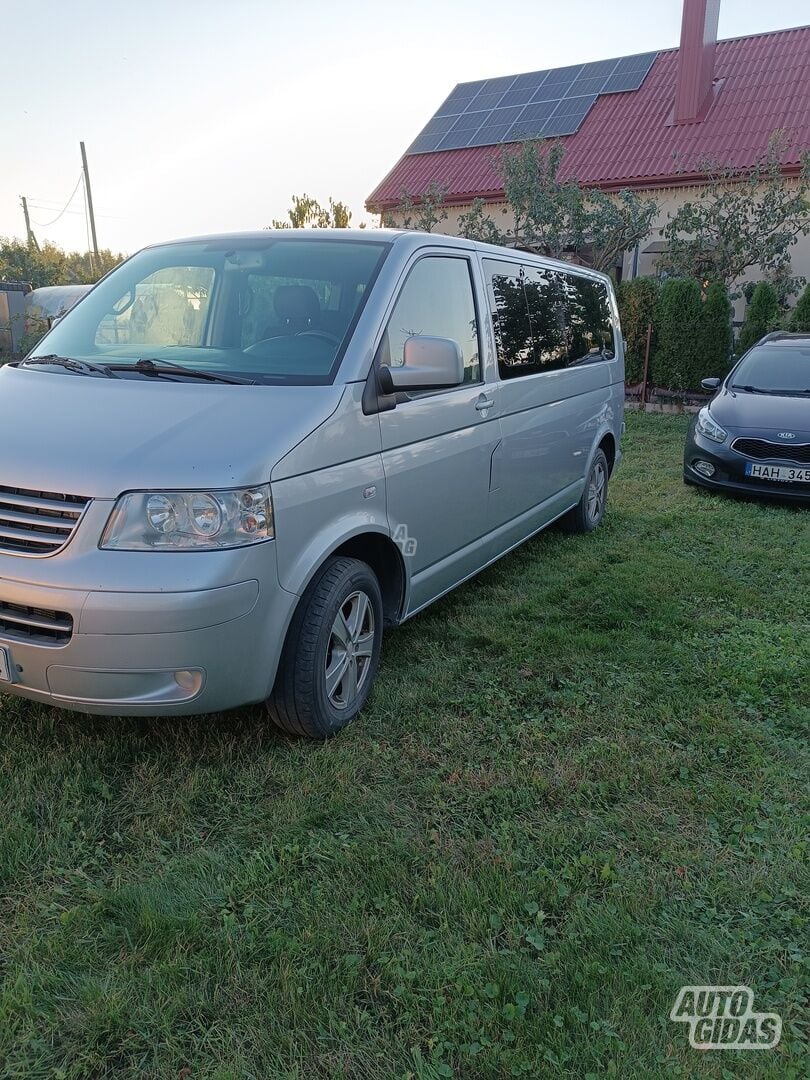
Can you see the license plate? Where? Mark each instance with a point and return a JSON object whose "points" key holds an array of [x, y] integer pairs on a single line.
{"points": [[5, 666], [786, 473]]}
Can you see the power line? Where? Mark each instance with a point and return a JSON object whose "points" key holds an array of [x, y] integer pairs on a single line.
{"points": [[47, 224]]}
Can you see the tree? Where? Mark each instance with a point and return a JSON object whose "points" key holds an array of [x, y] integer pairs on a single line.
{"points": [[557, 217], [799, 319], [712, 353], [477, 225], [340, 213], [307, 212], [637, 305], [739, 220], [761, 317], [678, 323], [50, 265], [424, 213], [614, 224], [547, 213]]}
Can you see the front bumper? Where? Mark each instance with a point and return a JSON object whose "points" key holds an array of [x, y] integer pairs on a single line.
{"points": [[729, 472], [151, 652]]}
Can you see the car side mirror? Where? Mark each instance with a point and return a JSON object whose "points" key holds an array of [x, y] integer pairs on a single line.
{"points": [[710, 384], [429, 363]]}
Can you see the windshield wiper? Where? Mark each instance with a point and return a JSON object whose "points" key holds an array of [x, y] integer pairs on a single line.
{"points": [[775, 393], [83, 367], [156, 369]]}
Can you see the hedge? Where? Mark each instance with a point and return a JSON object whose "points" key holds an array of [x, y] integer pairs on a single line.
{"points": [[637, 300], [761, 317], [799, 318]]}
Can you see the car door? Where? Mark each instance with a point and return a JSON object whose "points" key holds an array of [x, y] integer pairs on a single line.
{"points": [[437, 446], [549, 395]]}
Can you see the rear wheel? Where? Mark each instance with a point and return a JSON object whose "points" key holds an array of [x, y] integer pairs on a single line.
{"points": [[331, 653], [590, 509]]}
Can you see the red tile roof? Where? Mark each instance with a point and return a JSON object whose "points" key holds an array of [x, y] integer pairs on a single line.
{"points": [[628, 139]]}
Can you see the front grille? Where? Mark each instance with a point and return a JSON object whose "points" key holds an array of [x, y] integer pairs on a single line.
{"points": [[37, 522], [36, 625], [763, 450]]}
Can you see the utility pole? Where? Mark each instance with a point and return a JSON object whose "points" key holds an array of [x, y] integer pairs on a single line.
{"points": [[89, 201], [29, 235]]}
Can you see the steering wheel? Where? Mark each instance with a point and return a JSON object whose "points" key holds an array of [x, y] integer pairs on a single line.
{"points": [[256, 346], [320, 334]]}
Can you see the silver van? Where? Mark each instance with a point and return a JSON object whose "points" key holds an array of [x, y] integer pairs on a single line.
{"points": [[311, 435]]}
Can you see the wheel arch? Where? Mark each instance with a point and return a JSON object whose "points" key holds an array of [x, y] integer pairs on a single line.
{"points": [[607, 444], [374, 547]]}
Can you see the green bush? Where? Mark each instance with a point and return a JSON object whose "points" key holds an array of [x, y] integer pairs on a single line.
{"points": [[799, 318], [713, 355], [678, 324], [637, 300], [761, 317]]}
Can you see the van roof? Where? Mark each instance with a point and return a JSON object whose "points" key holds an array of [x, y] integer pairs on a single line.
{"points": [[407, 238]]}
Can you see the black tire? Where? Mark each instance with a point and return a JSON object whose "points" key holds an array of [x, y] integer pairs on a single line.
{"points": [[587, 515], [301, 703]]}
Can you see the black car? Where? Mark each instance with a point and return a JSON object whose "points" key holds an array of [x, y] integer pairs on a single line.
{"points": [[754, 435]]}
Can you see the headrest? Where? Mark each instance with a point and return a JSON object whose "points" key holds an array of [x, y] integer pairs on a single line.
{"points": [[296, 302]]}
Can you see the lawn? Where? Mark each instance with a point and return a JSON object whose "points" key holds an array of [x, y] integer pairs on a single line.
{"points": [[581, 783]]}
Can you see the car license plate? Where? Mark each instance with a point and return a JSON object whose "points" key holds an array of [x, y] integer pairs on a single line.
{"points": [[787, 473], [5, 666]]}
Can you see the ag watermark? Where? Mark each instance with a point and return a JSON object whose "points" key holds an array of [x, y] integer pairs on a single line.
{"points": [[723, 1018], [405, 543]]}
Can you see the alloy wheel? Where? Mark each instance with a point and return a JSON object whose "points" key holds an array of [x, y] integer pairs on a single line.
{"points": [[349, 650], [597, 489]]}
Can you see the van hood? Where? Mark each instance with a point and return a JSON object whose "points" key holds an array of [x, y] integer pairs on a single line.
{"points": [[739, 410], [95, 437]]}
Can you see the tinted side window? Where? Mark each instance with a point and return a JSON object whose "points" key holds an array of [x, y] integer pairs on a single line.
{"points": [[510, 314], [436, 300], [546, 298], [590, 326]]}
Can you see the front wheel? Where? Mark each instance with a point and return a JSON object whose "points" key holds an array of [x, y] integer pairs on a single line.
{"points": [[589, 511], [331, 653]]}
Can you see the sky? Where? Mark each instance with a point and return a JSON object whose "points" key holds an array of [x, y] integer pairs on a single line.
{"points": [[203, 116]]}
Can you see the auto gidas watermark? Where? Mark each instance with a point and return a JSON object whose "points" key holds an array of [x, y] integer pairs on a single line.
{"points": [[723, 1018]]}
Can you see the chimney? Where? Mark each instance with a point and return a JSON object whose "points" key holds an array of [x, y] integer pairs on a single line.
{"points": [[696, 58]]}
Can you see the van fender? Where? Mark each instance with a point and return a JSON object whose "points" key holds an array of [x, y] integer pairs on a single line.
{"points": [[296, 576], [605, 427]]}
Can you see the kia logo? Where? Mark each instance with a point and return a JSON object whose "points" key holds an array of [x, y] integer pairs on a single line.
{"points": [[787, 434]]}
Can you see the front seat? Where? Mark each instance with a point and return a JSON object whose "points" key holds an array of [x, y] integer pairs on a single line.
{"points": [[297, 308]]}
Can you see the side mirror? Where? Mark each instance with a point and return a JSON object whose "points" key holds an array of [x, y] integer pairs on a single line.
{"points": [[430, 363], [710, 384]]}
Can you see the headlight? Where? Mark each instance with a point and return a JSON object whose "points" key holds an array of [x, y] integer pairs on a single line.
{"points": [[707, 427], [190, 520]]}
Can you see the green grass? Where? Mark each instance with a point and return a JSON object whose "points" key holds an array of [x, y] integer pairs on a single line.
{"points": [[581, 783]]}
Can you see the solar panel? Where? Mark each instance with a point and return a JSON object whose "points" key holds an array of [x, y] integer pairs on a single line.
{"points": [[518, 97], [536, 104], [639, 62], [487, 100]]}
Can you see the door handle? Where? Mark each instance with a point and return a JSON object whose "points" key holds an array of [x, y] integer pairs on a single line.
{"points": [[483, 403]]}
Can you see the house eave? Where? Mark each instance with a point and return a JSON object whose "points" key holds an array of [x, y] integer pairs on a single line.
{"points": [[645, 183]]}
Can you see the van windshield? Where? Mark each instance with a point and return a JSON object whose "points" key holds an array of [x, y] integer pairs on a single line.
{"points": [[274, 309]]}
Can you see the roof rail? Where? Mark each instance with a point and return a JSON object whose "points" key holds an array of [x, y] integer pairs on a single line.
{"points": [[782, 335]]}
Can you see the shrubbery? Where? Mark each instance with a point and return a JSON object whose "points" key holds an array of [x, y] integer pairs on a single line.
{"points": [[761, 317], [678, 324], [637, 300], [799, 318], [50, 265], [713, 355]]}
